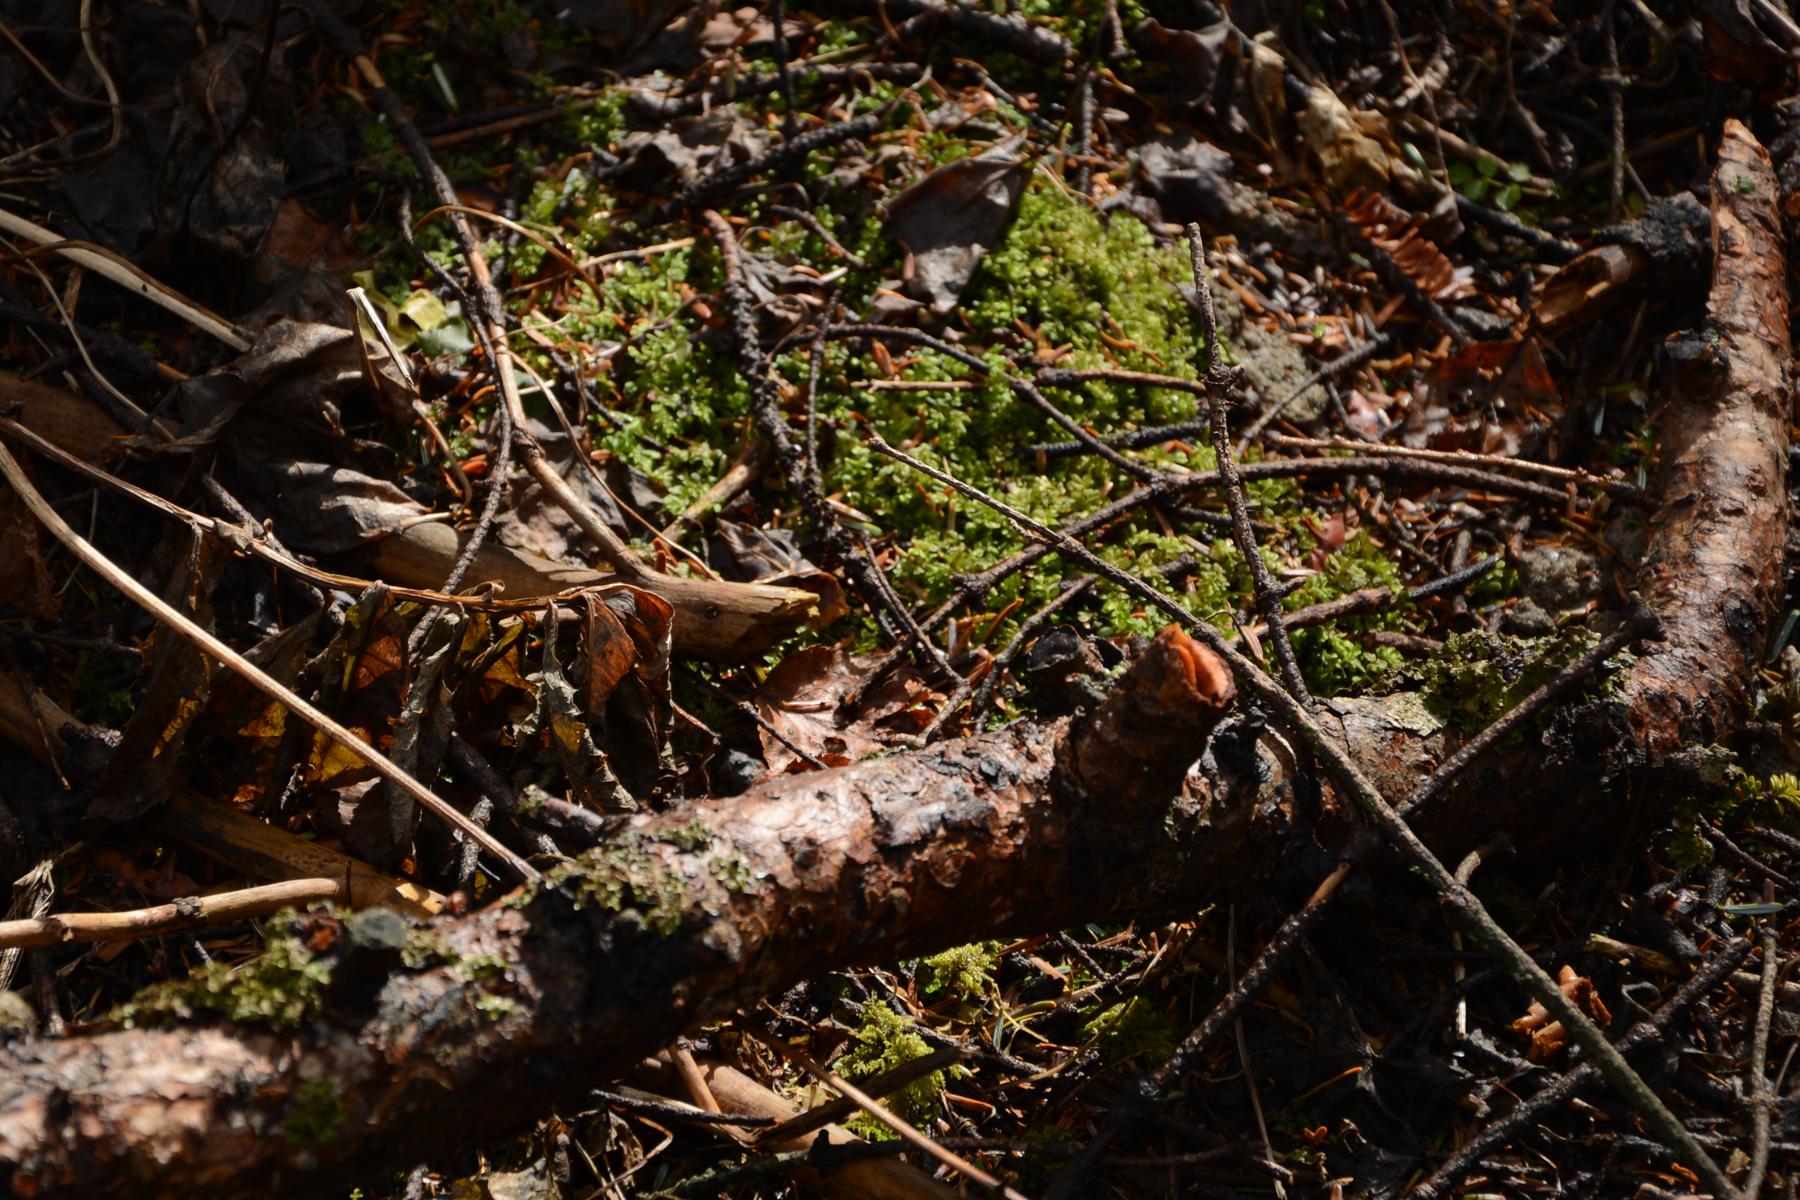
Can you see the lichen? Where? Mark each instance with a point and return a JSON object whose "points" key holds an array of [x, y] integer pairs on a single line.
{"points": [[281, 987], [623, 876], [1476, 677]]}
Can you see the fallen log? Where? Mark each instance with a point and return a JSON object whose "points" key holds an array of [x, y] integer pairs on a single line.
{"points": [[680, 918], [1034, 827]]}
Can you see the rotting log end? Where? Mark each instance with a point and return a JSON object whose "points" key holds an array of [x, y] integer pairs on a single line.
{"points": [[1153, 725]]}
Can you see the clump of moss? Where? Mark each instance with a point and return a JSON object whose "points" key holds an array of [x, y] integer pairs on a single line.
{"points": [[1063, 285], [964, 971], [425, 949], [622, 876], [495, 1008], [1729, 793], [1333, 656], [734, 872], [1477, 677], [281, 987], [693, 835], [884, 1040], [479, 967], [1134, 1028]]}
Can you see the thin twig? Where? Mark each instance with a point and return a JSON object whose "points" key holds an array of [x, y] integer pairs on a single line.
{"points": [[248, 671], [1762, 1091], [1529, 1112], [193, 912], [1268, 597], [880, 1112]]}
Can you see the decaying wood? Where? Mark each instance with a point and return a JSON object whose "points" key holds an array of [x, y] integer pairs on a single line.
{"points": [[1718, 530], [1034, 827], [675, 921]]}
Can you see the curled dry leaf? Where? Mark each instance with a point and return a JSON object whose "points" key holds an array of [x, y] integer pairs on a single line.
{"points": [[804, 699], [950, 218]]}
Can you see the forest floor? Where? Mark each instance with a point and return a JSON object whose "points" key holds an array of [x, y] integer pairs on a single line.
{"points": [[604, 410]]}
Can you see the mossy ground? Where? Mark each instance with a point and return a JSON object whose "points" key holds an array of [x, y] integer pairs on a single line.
{"points": [[1065, 284]]}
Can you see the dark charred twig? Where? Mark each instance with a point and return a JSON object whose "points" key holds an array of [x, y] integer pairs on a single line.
{"points": [[1718, 837], [710, 187], [1212, 369], [799, 465], [819, 231], [1785, 840], [1455, 580], [1366, 600], [1313, 738], [1529, 1112], [909, 632], [1395, 277], [469, 762], [1614, 82], [1268, 599], [1135, 439], [649, 1106], [1549, 247], [1617, 488], [1068, 377], [1028, 628], [1081, 133], [1762, 1091], [1354, 357]]}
